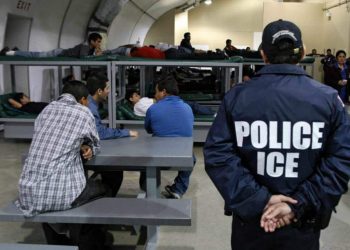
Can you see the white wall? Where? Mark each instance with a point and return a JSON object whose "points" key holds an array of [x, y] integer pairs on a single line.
{"points": [[47, 20], [157, 32], [308, 17], [17, 32], [181, 26], [133, 23], [225, 19], [336, 30]]}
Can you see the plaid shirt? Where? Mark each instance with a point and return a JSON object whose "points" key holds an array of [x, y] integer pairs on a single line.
{"points": [[53, 175]]}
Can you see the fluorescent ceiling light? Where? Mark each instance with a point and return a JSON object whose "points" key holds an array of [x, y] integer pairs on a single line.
{"points": [[208, 2]]}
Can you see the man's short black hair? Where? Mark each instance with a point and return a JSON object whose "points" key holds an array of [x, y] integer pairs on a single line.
{"points": [[340, 52], [169, 84], [76, 89], [187, 34], [228, 41], [130, 93], [96, 82], [94, 36], [17, 97], [67, 78]]}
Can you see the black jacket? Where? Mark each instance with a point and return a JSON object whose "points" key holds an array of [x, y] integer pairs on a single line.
{"points": [[279, 133], [332, 75]]}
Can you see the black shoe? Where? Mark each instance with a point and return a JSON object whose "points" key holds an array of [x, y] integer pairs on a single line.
{"points": [[169, 193], [4, 50]]}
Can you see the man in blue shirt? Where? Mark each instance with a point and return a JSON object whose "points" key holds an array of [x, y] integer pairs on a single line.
{"points": [[171, 117], [99, 90], [279, 150]]}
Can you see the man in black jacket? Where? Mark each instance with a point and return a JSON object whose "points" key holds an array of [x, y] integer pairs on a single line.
{"points": [[186, 42], [279, 150], [92, 47]]}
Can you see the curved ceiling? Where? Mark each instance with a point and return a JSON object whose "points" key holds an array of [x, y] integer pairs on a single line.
{"points": [[135, 19]]}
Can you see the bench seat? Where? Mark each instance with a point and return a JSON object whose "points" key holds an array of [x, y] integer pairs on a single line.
{"points": [[127, 211]]}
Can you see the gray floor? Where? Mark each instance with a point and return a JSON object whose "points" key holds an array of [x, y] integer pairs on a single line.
{"points": [[210, 228]]}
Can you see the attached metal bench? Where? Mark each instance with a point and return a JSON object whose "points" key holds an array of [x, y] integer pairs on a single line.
{"points": [[127, 211], [13, 246], [18, 128]]}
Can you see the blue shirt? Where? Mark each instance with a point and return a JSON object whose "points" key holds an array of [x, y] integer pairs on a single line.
{"points": [[169, 117], [104, 132]]}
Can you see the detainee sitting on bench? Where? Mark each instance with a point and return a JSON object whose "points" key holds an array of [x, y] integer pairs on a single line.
{"points": [[171, 117], [53, 177], [98, 87]]}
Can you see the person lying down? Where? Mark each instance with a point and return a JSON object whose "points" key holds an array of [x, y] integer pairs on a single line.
{"points": [[23, 103], [142, 104]]}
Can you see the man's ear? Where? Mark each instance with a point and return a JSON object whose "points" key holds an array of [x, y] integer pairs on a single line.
{"points": [[264, 56], [84, 101]]}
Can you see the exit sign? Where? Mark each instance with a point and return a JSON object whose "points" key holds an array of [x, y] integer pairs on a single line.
{"points": [[23, 5]]}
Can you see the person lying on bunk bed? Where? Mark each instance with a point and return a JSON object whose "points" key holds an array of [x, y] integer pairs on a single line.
{"points": [[142, 104], [147, 52], [91, 47], [165, 51], [132, 50], [23, 103]]}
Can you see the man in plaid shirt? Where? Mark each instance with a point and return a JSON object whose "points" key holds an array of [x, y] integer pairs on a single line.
{"points": [[53, 176]]}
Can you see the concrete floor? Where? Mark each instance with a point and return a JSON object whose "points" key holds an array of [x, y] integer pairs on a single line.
{"points": [[210, 228]]}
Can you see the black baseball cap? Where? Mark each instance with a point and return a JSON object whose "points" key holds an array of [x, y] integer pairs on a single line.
{"points": [[280, 29]]}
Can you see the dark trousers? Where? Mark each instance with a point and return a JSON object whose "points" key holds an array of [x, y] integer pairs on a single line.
{"points": [[198, 109], [113, 180], [85, 236], [250, 236]]}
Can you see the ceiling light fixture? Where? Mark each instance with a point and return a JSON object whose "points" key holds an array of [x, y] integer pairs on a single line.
{"points": [[208, 2], [187, 8]]}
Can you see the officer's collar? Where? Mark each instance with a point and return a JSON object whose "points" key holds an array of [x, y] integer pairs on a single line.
{"points": [[284, 69]]}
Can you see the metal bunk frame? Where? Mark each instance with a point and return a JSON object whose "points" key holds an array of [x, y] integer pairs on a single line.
{"points": [[301, 64], [200, 128], [23, 128], [20, 128]]}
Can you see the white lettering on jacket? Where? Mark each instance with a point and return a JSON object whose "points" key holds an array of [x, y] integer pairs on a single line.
{"points": [[279, 135]]}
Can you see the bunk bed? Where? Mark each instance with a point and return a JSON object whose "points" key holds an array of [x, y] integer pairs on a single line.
{"points": [[21, 126], [123, 115], [119, 113]]}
